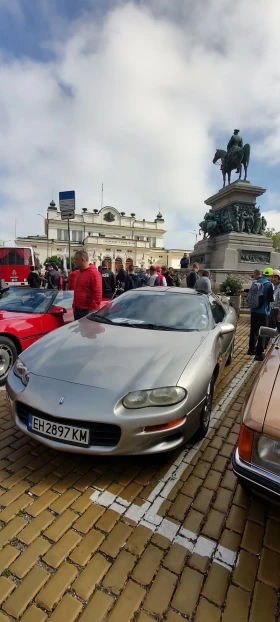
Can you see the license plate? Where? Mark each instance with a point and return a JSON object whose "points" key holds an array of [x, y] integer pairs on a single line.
{"points": [[60, 432]]}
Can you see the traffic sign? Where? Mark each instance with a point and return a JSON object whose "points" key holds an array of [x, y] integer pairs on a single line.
{"points": [[67, 204]]}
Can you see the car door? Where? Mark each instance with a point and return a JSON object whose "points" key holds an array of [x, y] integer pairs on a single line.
{"points": [[225, 341]]}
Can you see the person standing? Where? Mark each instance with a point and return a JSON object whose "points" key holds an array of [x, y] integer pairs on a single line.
{"points": [[175, 277], [87, 287], [143, 277], [184, 262], [108, 281], [167, 276], [33, 278], [132, 280], [161, 280], [153, 277], [52, 277], [259, 298], [193, 276], [274, 317], [203, 283]]}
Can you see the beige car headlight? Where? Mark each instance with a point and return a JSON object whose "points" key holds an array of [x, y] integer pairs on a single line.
{"points": [[164, 396], [20, 370], [266, 453]]}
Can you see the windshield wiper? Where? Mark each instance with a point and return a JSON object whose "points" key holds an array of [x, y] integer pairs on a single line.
{"points": [[153, 326], [99, 318]]}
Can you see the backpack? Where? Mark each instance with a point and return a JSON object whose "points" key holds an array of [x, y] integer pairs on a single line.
{"points": [[255, 297]]}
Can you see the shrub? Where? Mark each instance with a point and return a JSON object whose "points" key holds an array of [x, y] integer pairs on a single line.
{"points": [[232, 286]]}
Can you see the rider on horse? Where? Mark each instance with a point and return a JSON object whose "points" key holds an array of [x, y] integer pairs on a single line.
{"points": [[233, 149]]}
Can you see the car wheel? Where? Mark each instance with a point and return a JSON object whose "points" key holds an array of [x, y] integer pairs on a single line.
{"points": [[8, 355], [229, 361], [205, 414]]}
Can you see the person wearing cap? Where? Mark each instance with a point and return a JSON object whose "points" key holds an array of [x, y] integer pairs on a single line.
{"points": [[269, 273], [161, 280], [274, 317], [260, 314]]}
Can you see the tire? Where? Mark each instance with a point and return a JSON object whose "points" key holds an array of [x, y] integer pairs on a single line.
{"points": [[205, 414], [8, 355], [229, 361]]}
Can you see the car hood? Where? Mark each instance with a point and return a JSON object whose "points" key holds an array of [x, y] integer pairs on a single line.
{"points": [[272, 418], [112, 357], [263, 405]]}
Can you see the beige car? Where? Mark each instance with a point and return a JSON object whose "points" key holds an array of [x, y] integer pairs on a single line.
{"points": [[256, 461]]}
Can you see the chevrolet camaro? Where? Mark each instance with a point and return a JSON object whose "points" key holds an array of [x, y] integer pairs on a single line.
{"points": [[135, 377]]}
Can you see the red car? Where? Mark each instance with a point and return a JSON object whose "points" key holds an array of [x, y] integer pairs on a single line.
{"points": [[26, 315]]}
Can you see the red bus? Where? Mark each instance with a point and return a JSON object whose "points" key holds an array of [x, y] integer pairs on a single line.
{"points": [[15, 264]]}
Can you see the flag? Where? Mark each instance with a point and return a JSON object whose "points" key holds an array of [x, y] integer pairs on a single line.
{"points": [[65, 261]]}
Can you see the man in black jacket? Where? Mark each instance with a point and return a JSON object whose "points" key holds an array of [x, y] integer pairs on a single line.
{"points": [[33, 278], [167, 276], [193, 276], [52, 277], [184, 262], [108, 281]]}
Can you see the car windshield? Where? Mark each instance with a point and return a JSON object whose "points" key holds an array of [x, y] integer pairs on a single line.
{"points": [[26, 300], [160, 310]]}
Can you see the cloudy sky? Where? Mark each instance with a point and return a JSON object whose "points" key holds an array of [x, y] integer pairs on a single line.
{"points": [[137, 95]]}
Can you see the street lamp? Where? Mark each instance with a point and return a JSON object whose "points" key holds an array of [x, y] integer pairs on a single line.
{"points": [[47, 231], [194, 232]]}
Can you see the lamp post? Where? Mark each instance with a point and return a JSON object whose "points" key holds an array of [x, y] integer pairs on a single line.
{"points": [[47, 231], [194, 232]]}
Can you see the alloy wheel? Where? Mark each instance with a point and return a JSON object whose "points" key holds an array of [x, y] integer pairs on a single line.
{"points": [[6, 360]]}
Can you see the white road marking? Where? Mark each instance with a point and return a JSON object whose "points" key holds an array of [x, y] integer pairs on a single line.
{"points": [[147, 513]]}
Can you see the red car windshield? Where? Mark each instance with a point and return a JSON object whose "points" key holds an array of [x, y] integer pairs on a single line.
{"points": [[26, 300]]}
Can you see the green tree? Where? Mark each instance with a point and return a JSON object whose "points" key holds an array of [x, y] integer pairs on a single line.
{"points": [[275, 236], [55, 259], [58, 261]]}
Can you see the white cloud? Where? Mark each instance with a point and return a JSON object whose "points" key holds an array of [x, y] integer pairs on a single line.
{"points": [[149, 89]]}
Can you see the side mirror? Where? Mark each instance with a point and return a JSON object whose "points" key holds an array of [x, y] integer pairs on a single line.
{"points": [[226, 329], [268, 332], [57, 310]]}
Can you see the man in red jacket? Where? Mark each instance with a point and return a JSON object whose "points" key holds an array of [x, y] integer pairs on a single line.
{"points": [[87, 287]]}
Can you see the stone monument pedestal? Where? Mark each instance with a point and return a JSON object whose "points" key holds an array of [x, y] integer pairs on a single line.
{"points": [[236, 243]]}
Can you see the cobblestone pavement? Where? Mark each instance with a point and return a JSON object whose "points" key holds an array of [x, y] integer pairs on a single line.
{"points": [[168, 537]]}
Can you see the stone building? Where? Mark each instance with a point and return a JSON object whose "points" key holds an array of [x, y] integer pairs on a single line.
{"points": [[105, 234]]}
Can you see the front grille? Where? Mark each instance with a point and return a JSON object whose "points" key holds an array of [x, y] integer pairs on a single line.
{"points": [[101, 434]]}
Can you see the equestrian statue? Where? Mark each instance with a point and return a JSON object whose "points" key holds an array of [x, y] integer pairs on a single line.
{"points": [[235, 157]]}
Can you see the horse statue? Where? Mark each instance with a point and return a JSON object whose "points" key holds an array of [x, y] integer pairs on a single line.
{"points": [[208, 226], [229, 161]]}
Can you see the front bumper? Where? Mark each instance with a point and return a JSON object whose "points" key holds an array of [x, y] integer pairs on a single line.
{"points": [[85, 406], [263, 483]]}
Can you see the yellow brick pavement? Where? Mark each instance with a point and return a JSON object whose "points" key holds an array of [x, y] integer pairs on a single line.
{"points": [[203, 549]]}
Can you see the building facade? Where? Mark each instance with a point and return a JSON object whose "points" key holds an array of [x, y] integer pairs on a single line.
{"points": [[105, 234]]}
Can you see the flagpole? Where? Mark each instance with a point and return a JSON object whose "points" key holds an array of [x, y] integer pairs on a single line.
{"points": [[102, 196]]}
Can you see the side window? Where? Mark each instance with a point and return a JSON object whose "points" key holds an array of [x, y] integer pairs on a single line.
{"points": [[217, 309]]}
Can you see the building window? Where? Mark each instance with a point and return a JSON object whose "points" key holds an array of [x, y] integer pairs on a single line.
{"points": [[77, 236], [62, 235]]}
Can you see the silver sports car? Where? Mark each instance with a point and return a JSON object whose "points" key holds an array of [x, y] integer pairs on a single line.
{"points": [[136, 377]]}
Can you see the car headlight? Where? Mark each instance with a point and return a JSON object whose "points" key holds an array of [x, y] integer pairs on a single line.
{"points": [[165, 396], [266, 453], [20, 370]]}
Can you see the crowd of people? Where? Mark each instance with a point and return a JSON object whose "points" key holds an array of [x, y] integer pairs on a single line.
{"points": [[91, 285]]}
